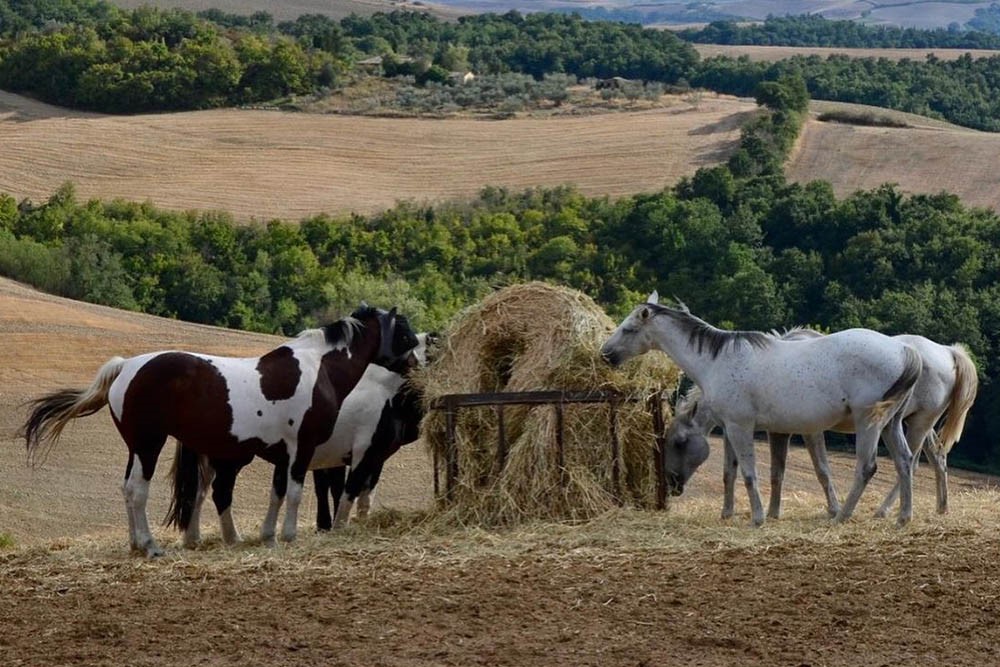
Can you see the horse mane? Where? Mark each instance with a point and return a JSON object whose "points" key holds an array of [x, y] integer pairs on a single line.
{"points": [[343, 331], [688, 403], [708, 338]]}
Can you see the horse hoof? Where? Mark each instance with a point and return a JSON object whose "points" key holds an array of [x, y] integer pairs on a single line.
{"points": [[269, 541], [153, 550], [902, 521]]}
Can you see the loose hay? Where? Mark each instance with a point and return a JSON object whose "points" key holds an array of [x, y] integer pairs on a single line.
{"points": [[541, 337]]}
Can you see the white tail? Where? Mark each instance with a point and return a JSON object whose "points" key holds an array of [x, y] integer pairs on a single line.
{"points": [[962, 396]]}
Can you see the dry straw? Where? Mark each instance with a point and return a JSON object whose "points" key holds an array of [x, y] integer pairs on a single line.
{"points": [[542, 337]]}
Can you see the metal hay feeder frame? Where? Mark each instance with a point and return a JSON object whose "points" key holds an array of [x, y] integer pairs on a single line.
{"points": [[452, 403]]}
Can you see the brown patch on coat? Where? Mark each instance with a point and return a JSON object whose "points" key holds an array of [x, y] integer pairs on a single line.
{"points": [[279, 374]]}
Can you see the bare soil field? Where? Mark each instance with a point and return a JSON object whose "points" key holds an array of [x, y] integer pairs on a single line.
{"points": [[928, 158], [773, 53], [267, 164], [630, 588]]}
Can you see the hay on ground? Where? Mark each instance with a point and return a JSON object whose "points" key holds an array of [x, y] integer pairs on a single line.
{"points": [[541, 337]]}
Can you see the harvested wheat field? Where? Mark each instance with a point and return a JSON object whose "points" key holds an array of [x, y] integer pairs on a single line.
{"points": [[628, 588], [775, 53], [929, 157], [268, 164]]}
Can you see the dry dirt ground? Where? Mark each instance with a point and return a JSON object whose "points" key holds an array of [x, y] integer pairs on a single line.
{"points": [[268, 164], [631, 588]]}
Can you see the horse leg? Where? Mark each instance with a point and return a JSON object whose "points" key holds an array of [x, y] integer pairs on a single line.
{"points": [[940, 461], [206, 473], [729, 467], [779, 457], [132, 541], [365, 499], [338, 480], [816, 445], [222, 496], [279, 484], [295, 483], [742, 441], [137, 491], [357, 479], [895, 441], [865, 447], [890, 498], [321, 480]]}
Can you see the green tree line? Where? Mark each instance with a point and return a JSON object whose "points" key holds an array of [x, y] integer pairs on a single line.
{"points": [[815, 30]]}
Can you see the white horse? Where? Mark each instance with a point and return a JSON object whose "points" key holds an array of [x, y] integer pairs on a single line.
{"points": [[946, 389], [856, 379]]}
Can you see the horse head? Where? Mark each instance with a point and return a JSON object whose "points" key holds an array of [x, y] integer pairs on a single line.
{"points": [[396, 337], [686, 448], [633, 336]]}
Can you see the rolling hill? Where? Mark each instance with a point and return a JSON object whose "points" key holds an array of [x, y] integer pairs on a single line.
{"points": [[267, 164], [775, 53]]}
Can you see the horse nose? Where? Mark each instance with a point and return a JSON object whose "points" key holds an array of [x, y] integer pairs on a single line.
{"points": [[609, 357]]}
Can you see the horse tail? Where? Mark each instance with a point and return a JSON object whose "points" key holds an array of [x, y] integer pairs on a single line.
{"points": [[962, 396], [901, 390], [50, 413], [186, 472]]}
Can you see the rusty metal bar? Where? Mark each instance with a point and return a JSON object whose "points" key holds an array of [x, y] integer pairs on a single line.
{"points": [[660, 440], [560, 451], [523, 398], [616, 485], [501, 440]]}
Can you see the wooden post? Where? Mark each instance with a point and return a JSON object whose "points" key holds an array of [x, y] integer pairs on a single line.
{"points": [[501, 442], [660, 441], [451, 448], [616, 486], [560, 451]]}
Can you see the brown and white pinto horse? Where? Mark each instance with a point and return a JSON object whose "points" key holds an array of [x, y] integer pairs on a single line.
{"points": [[279, 406]]}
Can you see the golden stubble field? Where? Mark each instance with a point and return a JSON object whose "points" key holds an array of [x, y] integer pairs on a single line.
{"points": [[268, 164], [929, 157], [630, 588]]}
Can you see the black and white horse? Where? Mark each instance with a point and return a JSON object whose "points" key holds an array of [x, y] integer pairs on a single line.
{"points": [[375, 419], [381, 415], [280, 406]]}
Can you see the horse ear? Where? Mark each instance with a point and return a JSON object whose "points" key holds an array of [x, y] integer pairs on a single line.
{"points": [[392, 311], [644, 314], [654, 297], [363, 306]]}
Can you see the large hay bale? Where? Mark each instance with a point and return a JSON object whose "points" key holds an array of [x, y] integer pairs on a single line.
{"points": [[541, 337]]}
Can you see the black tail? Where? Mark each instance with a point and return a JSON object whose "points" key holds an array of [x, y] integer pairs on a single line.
{"points": [[186, 475]]}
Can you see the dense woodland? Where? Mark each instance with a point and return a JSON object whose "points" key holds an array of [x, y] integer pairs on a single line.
{"points": [[814, 30], [91, 55]]}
